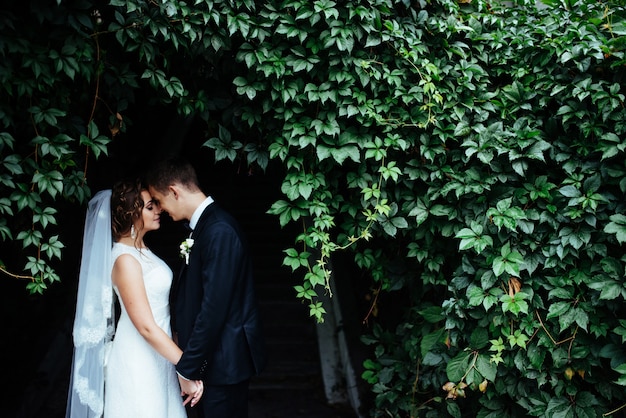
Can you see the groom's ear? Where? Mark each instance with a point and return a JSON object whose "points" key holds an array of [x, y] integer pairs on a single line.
{"points": [[174, 190]]}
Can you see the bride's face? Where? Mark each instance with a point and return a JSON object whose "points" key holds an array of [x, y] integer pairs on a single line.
{"points": [[150, 213]]}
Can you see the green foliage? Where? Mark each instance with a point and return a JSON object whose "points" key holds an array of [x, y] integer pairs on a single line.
{"points": [[488, 159], [67, 91], [46, 81], [470, 156]]}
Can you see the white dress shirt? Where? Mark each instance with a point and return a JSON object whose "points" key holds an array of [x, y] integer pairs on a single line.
{"points": [[196, 213]]}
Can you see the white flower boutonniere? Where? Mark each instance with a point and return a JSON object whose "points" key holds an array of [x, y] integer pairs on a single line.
{"points": [[185, 249]]}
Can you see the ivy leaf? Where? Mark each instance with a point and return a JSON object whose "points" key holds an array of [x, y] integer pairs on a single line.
{"points": [[509, 260], [431, 340], [473, 238], [486, 367], [433, 314], [617, 226], [338, 154], [621, 369], [609, 289], [294, 259], [570, 191], [420, 212], [558, 309], [479, 339], [457, 367], [515, 304], [475, 295]]}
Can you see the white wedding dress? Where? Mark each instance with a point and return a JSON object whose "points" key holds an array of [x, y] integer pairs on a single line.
{"points": [[139, 382]]}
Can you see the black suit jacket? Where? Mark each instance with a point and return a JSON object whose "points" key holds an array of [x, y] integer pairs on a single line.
{"points": [[215, 307]]}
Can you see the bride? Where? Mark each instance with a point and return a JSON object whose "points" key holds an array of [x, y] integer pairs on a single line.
{"points": [[133, 374]]}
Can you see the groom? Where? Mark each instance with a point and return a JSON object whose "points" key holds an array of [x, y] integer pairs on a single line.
{"points": [[213, 304]]}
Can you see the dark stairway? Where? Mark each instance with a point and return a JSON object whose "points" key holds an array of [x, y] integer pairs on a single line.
{"points": [[291, 385]]}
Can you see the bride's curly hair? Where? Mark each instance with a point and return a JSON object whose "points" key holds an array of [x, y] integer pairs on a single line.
{"points": [[126, 207]]}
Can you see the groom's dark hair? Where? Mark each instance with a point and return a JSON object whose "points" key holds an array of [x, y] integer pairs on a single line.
{"points": [[173, 170]]}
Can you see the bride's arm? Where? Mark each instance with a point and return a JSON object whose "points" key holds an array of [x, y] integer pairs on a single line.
{"points": [[128, 277]]}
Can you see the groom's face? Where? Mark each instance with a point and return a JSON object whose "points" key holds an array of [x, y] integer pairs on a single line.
{"points": [[167, 202]]}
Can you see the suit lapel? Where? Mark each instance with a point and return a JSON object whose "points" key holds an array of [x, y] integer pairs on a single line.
{"points": [[178, 280]]}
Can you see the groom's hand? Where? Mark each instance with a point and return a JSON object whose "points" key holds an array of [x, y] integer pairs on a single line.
{"points": [[192, 389]]}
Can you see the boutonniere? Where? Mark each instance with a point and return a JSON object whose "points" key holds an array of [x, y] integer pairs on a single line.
{"points": [[185, 249]]}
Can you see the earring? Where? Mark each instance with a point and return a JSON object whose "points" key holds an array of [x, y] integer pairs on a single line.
{"points": [[133, 235]]}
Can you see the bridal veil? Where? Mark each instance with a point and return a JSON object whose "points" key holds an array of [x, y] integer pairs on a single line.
{"points": [[94, 322]]}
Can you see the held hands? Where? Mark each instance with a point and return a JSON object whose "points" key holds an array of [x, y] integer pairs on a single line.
{"points": [[192, 389]]}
